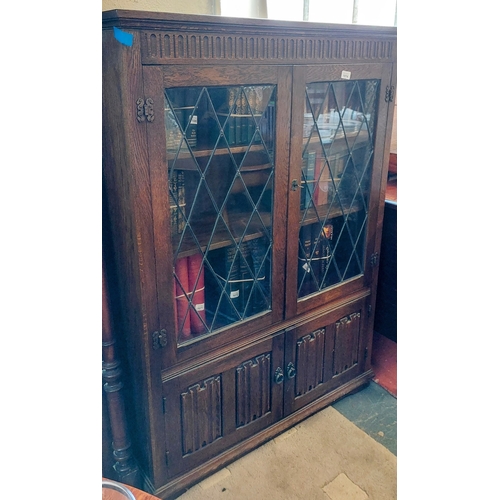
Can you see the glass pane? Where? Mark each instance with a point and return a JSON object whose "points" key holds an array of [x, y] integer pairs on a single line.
{"points": [[220, 151], [338, 139]]}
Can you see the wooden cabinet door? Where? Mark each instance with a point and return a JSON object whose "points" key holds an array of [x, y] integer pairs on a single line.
{"points": [[210, 409], [325, 353], [339, 118], [218, 154]]}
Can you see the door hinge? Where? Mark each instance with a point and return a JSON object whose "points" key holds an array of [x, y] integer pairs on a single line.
{"points": [[164, 401], [389, 93], [366, 353], [145, 110], [374, 259], [369, 310], [159, 339], [166, 458]]}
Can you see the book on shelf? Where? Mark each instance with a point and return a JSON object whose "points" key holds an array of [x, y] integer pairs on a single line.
{"points": [[253, 111], [245, 279], [191, 121], [236, 119], [233, 285], [188, 120], [242, 119], [307, 182], [337, 165], [229, 119], [190, 296], [182, 298], [223, 288], [304, 270], [236, 271], [269, 120], [183, 102], [172, 181], [321, 253], [196, 280], [177, 201], [325, 250], [243, 110], [316, 255], [172, 130], [181, 200], [261, 268]]}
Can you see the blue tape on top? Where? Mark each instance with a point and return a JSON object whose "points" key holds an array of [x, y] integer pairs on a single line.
{"points": [[123, 37]]}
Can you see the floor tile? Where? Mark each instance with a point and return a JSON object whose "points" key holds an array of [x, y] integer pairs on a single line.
{"points": [[342, 488], [373, 410]]}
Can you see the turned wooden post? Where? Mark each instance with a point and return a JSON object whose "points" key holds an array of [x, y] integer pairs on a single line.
{"points": [[125, 465]]}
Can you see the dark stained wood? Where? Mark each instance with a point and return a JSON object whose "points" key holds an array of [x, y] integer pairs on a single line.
{"points": [[198, 404], [124, 465], [228, 394], [325, 352], [126, 182]]}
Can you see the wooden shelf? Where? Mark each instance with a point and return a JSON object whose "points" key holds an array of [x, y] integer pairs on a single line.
{"points": [[236, 222], [323, 213], [205, 153], [355, 141]]}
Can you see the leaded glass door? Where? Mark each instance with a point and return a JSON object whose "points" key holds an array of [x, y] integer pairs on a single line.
{"points": [[220, 148], [340, 155], [219, 160]]}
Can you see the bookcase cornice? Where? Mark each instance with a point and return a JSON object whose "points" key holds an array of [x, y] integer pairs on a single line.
{"points": [[159, 47]]}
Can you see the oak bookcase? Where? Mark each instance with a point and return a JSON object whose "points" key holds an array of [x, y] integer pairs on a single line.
{"points": [[245, 164]]}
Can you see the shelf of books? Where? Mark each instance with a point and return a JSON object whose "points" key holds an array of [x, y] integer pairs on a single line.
{"points": [[328, 252], [227, 284], [207, 121]]}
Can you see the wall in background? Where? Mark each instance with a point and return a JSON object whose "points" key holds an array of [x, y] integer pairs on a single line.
{"points": [[178, 6], [375, 12]]}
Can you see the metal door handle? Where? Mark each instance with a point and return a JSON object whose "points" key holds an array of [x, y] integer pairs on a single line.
{"points": [[279, 375]]}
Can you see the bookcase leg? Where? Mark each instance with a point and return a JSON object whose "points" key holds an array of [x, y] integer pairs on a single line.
{"points": [[125, 465]]}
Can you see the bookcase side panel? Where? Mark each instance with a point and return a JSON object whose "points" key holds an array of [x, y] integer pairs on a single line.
{"points": [[127, 195]]}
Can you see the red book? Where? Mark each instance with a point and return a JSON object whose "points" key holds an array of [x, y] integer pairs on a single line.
{"points": [[197, 289], [181, 298]]}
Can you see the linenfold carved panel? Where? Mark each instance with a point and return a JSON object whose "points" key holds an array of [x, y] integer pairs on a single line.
{"points": [[253, 389], [346, 335], [201, 414], [158, 47], [310, 351]]}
